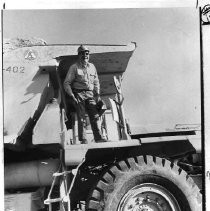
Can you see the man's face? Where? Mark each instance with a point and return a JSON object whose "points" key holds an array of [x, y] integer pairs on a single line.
{"points": [[84, 56]]}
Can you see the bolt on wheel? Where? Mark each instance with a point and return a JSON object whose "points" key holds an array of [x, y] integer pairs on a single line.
{"points": [[148, 197]]}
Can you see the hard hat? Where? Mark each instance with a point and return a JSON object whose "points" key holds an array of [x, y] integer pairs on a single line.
{"points": [[82, 48]]}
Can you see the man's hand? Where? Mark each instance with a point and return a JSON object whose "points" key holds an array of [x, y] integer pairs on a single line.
{"points": [[74, 99], [98, 98]]}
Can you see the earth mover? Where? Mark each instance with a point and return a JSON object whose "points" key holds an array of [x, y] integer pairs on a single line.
{"points": [[47, 169]]}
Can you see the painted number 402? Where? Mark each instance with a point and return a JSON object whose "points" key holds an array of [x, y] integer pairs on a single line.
{"points": [[15, 69]]}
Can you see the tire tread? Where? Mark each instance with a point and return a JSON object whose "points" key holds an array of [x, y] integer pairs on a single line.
{"points": [[157, 166]]}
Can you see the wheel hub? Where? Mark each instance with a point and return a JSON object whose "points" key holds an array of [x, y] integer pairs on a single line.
{"points": [[148, 197]]}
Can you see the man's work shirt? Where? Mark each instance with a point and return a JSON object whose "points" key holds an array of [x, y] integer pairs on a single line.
{"points": [[82, 78]]}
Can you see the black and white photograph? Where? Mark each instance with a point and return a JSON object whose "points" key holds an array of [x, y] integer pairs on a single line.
{"points": [[105, 109]]}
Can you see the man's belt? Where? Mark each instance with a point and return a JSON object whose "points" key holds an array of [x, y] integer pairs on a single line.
{"points": [[80, 90]]}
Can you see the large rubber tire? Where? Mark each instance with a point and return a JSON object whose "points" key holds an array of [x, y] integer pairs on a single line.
{"points": [[145, 183]]}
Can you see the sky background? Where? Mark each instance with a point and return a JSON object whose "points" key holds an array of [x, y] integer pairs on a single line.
{"points": [[162, 83]]}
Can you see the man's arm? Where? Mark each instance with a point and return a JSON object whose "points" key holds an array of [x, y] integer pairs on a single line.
{"points": [[96, 86], [68, 82]]}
